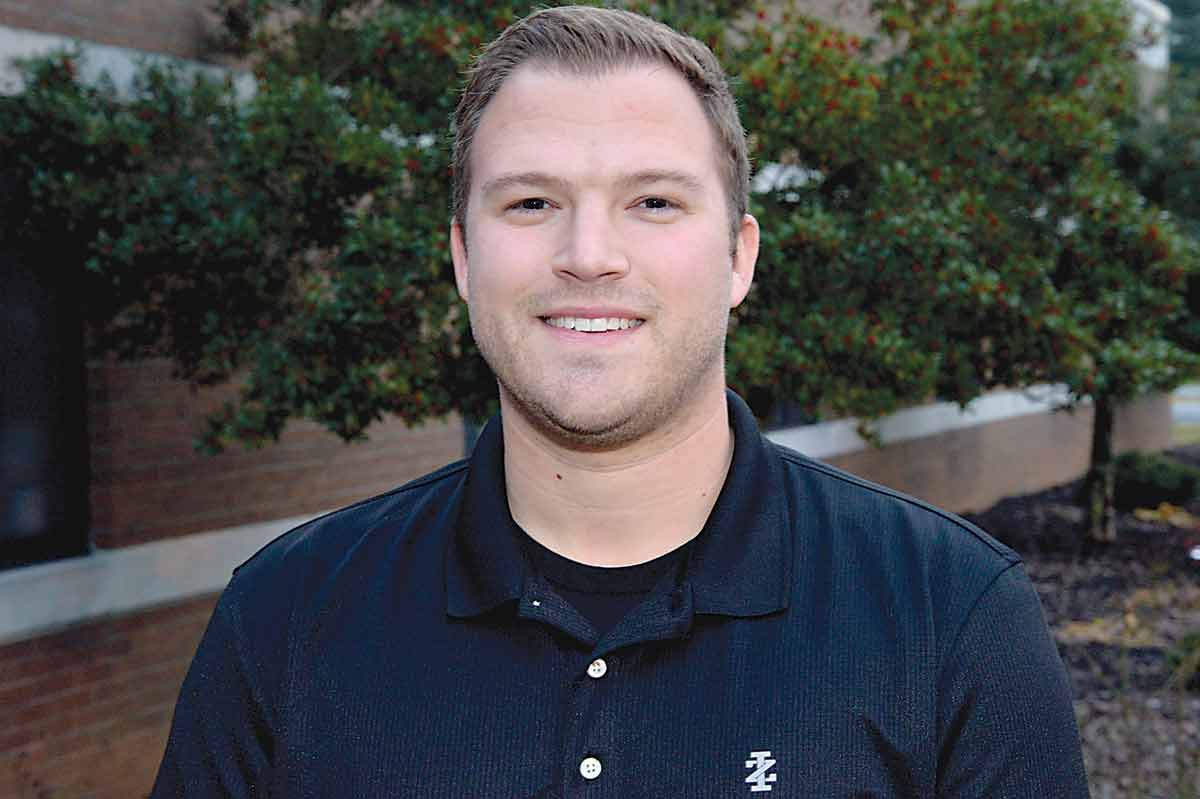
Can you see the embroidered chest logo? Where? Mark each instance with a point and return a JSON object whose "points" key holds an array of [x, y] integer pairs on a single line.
{"points": [[759, 779]]}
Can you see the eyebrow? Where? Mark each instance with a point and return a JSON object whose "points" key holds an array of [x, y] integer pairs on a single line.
{"points": [[502, 183]]}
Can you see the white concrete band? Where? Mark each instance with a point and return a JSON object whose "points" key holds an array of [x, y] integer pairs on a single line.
{"points": [[1151, 16], [120, 64], [828, 439], [35, 600]]}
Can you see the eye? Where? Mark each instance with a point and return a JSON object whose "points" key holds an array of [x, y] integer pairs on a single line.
{"points": [[658, 209], [530, 204], [657, 204]]}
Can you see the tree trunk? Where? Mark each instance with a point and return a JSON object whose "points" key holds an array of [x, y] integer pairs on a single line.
{"points": [[1101, 479]]}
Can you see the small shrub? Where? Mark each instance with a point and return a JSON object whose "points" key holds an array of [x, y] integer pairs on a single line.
{"points": [[1184, 661], [1145, 480]]}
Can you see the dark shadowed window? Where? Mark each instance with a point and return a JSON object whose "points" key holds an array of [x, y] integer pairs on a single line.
{"points": [[43, 443]]}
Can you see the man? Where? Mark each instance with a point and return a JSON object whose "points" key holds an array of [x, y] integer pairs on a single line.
{"points": [[626, 591]]}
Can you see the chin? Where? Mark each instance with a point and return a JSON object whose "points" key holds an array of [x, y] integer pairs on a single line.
{"points": [[593, 435], [580, 423]]}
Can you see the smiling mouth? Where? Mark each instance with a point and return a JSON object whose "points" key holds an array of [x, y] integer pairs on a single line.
{"points": [[592, 325]]}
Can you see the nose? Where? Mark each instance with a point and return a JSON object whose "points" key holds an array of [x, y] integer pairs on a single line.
{"points": [[593, 247]]}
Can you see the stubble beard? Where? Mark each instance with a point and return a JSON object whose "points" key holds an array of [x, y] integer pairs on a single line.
{"points": [[544, 400]]}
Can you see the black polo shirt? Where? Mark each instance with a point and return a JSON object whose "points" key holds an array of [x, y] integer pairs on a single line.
{"points": [[821, 637]]}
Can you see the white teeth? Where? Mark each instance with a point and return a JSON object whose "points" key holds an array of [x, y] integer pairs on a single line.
{"points": [[590, 325]]}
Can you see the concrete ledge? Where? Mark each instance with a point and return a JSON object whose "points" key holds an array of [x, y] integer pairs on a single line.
{"points": [[35, 600], [1153, 17], [121, 64], [968, 468], [830, 439]]}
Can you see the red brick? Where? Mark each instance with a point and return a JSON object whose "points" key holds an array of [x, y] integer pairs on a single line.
{"points": [[32, 714], [108, 691], [23, 692], [140, 700], [149, 484], [126, 768]]}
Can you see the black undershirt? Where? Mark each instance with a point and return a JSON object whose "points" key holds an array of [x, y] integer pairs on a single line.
{"points": [[601, 594]]}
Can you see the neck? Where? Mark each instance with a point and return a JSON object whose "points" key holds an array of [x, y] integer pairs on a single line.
{"points": [[623, 507]]}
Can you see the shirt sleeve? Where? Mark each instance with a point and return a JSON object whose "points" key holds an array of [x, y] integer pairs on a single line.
{"points": [[221, 738], [1005, 717]]}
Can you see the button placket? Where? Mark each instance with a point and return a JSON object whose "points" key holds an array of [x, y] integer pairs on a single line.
{"points": [[541, 603]]}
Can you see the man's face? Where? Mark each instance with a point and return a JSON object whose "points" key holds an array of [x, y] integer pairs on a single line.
{"points": [[597, 204]]}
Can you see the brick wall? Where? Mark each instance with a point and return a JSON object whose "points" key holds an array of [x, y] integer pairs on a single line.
{"points": [[149, 484], [175, 27], [85, 712]]}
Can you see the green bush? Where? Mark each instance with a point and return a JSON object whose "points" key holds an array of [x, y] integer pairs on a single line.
{"points": [[947, 217], [1184, 661], [1145, 480]]}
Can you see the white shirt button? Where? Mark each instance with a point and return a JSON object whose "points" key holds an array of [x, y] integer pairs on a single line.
{"points": [[598, 669], [589, 768]]}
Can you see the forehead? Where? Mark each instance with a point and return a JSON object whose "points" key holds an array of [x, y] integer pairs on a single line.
{"points": [[640, 117]]}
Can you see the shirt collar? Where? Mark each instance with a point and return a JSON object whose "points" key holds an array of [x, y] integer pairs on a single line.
{"points": [[739, 565]]}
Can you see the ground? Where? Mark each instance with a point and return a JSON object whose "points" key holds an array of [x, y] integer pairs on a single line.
{"points": [[1119, 613]]}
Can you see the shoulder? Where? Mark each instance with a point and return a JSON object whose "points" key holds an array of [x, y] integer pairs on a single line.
{"points": [[897, 551], [340, 528], [309, 578], [305, 560], [863, 505]]}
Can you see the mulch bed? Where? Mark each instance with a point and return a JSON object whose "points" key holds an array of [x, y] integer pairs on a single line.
{"points": [[1118, 611]]}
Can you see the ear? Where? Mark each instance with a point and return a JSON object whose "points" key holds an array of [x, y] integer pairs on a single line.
{"points": [[744, 258], [458, 254]]}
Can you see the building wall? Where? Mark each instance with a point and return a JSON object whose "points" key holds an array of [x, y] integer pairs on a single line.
{"points": [[181, 28], [85, 712], [149, 484], [967, 470]]}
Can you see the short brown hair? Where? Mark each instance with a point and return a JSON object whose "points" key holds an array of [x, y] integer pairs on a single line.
{"points": [[585, 40]]}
